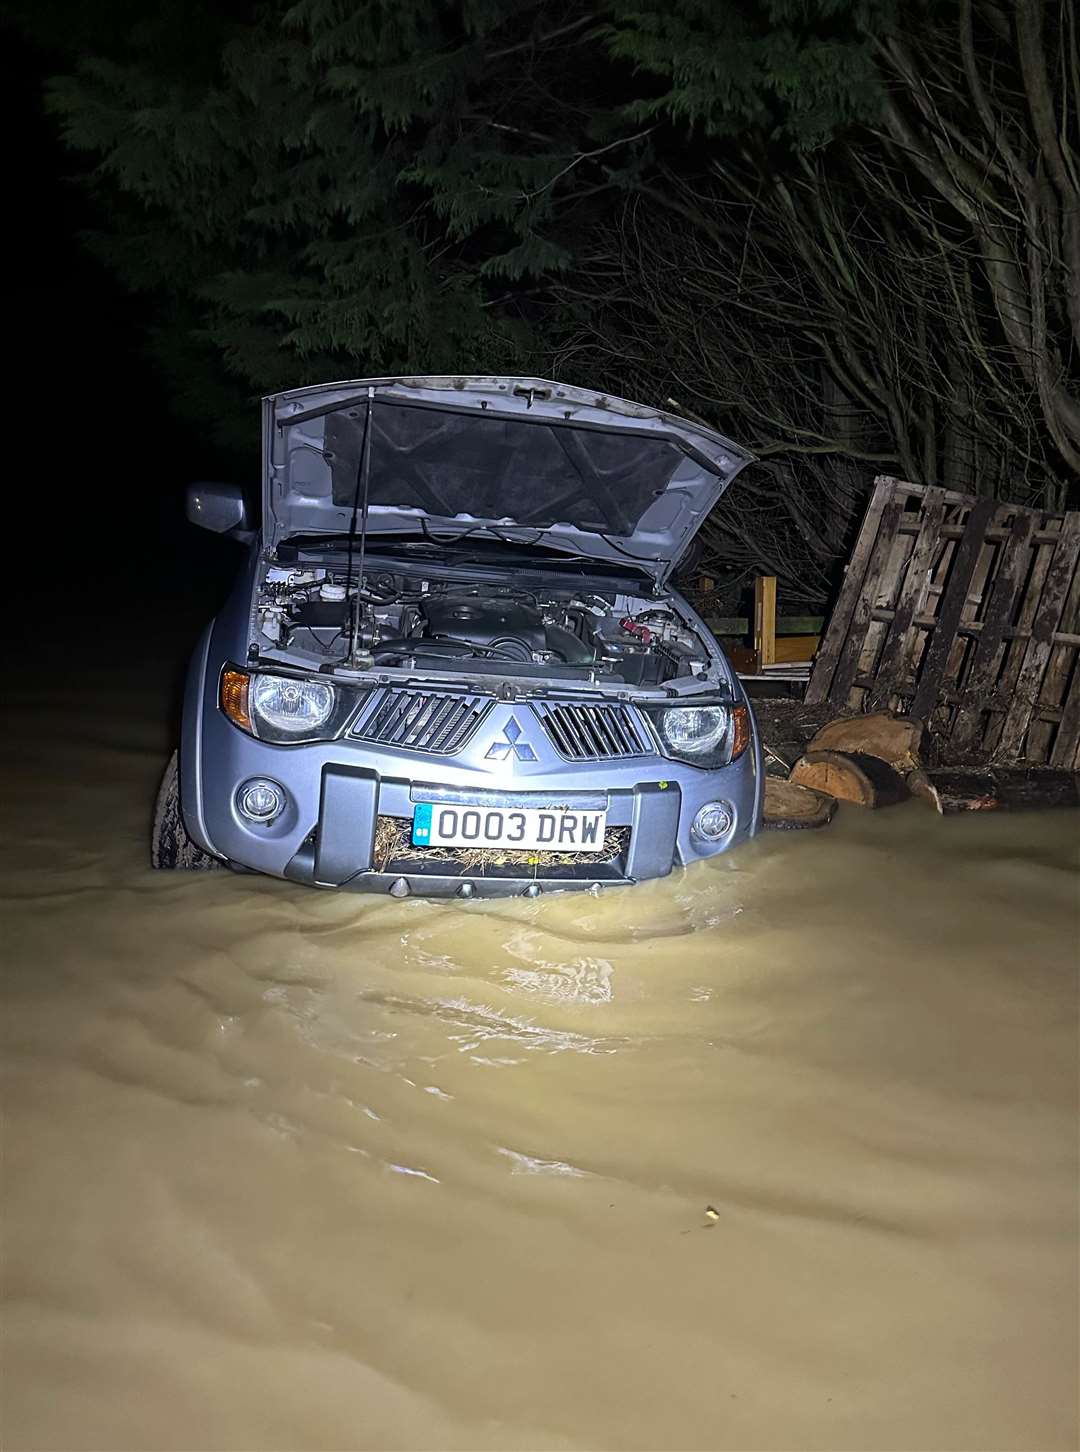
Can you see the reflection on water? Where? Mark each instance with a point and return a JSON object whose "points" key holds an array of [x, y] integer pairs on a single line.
{"points": [[286, 1169]]}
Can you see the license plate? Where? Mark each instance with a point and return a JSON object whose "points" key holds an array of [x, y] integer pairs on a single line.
{"points": [[527, 828]]}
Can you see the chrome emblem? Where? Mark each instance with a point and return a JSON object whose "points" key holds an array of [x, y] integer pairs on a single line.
{"points": [[500, 750]]}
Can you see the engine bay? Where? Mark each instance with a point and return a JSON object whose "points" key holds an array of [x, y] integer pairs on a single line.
{"points": [[309, 617]]}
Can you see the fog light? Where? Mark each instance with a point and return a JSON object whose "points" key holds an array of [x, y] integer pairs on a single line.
{"points": [[713, 821], [260, 801]]}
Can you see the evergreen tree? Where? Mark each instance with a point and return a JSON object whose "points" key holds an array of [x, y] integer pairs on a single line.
{"points": [[324, 188]]}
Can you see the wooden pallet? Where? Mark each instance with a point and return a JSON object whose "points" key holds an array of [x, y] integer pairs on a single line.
{"points": [[965, 613]]}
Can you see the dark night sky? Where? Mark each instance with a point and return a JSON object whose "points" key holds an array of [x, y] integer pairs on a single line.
{"points": [[101, 462]]}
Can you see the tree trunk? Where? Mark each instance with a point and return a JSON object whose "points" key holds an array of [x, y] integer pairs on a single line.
{"points": [[958, 466], [896, 740], [791, 808], [999, 789], [850, 777]]}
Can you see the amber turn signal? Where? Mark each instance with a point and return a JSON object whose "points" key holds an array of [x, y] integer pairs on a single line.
{"points": [[740, 731], [234, 698]]}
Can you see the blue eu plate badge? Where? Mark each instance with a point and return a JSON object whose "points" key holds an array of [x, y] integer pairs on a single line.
{"points": [[421, 825]]}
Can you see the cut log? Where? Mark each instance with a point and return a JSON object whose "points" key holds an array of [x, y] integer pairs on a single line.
{"points": [[850, 777], [894, 739], [791, 808], [998, 789]]}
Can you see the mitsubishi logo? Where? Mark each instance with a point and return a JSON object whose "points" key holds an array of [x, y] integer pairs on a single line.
{"points": [[500, 750]]}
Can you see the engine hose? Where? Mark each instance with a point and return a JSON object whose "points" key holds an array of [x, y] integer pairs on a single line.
{"points": [[420, 645]]}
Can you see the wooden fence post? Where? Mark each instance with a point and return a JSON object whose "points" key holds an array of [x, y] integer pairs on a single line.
{"points": [[765, 620]]}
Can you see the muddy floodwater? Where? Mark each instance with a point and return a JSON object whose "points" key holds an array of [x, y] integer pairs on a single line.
{"points": [[285, 1169]]}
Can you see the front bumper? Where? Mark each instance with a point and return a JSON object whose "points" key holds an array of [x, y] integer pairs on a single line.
{"points": [[342, 850], [467, 886], [338, 790]]}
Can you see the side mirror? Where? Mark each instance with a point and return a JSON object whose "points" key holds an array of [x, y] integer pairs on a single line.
{"points": [[220, 507]]}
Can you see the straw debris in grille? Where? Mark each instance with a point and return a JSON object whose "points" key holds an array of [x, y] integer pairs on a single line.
{"points": [[393, 843]]}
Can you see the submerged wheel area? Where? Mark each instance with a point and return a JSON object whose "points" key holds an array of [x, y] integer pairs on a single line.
{"points": [[170, 845]]}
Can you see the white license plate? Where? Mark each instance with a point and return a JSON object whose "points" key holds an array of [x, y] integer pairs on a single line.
{"points": [[527, 828]]}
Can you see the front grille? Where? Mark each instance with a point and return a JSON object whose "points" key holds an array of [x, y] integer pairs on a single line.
{"points": [[430, 721], [591, 733]]}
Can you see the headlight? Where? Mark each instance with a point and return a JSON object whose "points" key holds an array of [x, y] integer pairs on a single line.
{"points": [[694, 730], [293, 707], [281, 708], [707, 736]]}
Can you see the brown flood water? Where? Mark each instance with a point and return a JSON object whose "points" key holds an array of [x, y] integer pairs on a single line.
{"points": [[285, 1169]]}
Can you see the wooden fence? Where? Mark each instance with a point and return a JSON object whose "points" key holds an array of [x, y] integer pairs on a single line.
{"points": [[965, 613], [783, 646]]}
